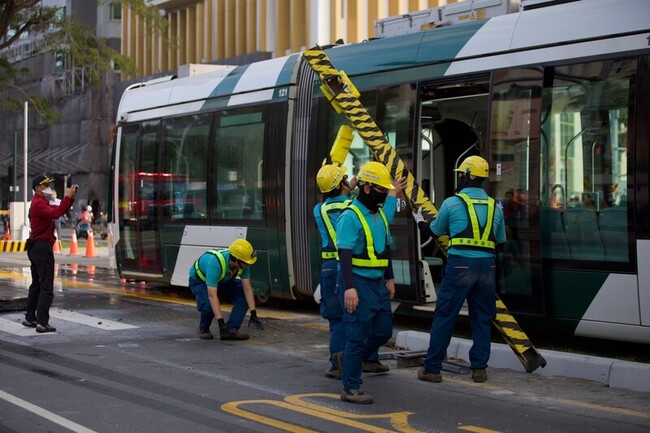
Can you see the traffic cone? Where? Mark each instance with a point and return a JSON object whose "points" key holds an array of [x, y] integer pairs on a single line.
{"points": [[74, 246], [57, 243], [7, 234], [90, 246]]}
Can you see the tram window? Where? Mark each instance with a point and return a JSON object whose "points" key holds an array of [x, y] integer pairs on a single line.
{"points": [[238, 165], [584, 158], [183, 177]]}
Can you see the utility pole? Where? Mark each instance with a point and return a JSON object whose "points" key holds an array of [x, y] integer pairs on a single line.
{"points": [[25, 232]]}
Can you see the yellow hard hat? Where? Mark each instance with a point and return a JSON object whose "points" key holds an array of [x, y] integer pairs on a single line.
{"points": [[475, 165], [377, 174], [242, 250], [329, 177]]}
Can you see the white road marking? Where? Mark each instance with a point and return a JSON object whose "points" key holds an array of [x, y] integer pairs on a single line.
{"points": [[43, 413], [11, 323], [95, 322]]}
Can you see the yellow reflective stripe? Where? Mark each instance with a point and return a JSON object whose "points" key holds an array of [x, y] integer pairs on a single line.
{"points": [[222, 262], [473, 242], [478, 239], [324, 209], [372, 261]]}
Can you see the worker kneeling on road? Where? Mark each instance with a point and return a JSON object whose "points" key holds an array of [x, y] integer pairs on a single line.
{"points": [[365, 281], [225, 275]]}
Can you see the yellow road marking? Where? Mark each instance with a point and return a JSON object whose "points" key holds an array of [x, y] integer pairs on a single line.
{"points": [[295, 403], [476, 429]]}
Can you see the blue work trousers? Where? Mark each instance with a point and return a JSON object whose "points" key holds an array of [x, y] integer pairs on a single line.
{"points": [[330, 307], [474, 280], [229, 290], [368, 328]]}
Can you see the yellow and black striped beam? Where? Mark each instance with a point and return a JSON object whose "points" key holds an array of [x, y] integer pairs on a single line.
{"points": [[12, 246], [367, 129], [345, 101]]}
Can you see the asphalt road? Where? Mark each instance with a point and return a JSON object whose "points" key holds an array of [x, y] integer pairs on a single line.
{"points": [[126, 358]]}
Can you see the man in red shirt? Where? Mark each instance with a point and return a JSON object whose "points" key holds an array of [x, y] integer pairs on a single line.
{"points": [[41, 239]]}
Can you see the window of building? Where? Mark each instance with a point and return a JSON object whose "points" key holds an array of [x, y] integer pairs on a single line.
{"points": [[115, 11]]}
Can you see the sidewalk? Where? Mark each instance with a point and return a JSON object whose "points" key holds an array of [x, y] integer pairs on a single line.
{"points": [[610, 372]]}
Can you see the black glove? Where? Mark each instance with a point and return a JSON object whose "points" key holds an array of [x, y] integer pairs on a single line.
{"points": [[222, 324], [255, 321]]}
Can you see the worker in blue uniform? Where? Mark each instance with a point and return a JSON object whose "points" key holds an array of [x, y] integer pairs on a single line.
{"points": [[476, 229], [225, 275], [334, 185], [365, 281]]}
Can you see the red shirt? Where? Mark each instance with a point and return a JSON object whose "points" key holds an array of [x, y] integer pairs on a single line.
{"points": [[41, 214]]}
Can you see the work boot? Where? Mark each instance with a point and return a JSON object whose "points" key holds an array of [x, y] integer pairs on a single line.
{"points": [[356, 396], [423, 374], [337, 359], [479, 375], [44, 328], [207, 335], [232, 334], [333, 373], [375, 367]]}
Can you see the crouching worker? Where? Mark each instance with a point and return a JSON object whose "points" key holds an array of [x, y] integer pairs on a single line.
{"points": [[220, 275]]}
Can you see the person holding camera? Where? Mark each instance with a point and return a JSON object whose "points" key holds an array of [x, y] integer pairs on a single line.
{"points": [[39, 250]]}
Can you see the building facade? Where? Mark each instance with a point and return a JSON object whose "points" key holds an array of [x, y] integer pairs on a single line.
{"points": [[77, 147], [241, 31]]}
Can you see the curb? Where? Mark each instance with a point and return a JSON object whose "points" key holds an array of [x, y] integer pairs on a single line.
{"points": [[611, 372]]}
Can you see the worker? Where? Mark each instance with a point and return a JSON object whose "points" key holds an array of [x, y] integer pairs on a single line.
{"points": [[365, 282], [333, 184], [225, 275], [476, 229]]}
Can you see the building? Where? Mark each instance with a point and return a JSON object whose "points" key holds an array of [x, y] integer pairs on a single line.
{"points": [[76, 148], [242, 31]]}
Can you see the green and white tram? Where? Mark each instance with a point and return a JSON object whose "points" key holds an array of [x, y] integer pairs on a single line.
{"points": [[555, 98]]}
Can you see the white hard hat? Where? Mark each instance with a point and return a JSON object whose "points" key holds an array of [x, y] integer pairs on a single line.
{"points": [[90, 208]]}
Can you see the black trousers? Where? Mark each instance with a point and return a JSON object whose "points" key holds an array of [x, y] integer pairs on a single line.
{"points": [[41, 291]]}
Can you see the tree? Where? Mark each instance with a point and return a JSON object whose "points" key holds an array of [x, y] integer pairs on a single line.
{"points": [[75, 40]]}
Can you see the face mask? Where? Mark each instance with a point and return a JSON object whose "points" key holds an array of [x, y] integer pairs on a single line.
{"points": [[47, 191], [374, 200]]}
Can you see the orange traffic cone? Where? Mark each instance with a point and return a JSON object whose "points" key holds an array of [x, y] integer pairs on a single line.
{"points": [[74, 246], [90, 246], [7, 234], [57, 243]]}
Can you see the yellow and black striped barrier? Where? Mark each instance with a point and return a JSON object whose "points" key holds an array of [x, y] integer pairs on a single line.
{"points": [[12, 246], [344, 98]]}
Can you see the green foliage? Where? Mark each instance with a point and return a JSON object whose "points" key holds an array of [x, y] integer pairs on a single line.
{"points": [[76, 41]]}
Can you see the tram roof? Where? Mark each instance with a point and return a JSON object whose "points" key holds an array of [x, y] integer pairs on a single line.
{"points": [[549, 27]]}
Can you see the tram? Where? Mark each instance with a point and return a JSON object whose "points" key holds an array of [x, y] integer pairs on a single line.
{"points": [[555, 98]]}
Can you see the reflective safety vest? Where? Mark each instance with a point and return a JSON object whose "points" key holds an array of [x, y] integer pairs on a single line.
{"points": [[222, 261], [329, 252], [471, 237], [368, 258]]}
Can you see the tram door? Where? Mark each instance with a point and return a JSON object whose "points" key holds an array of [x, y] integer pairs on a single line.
{"points": [[453, 126], [462, 119], [138, 250]]}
